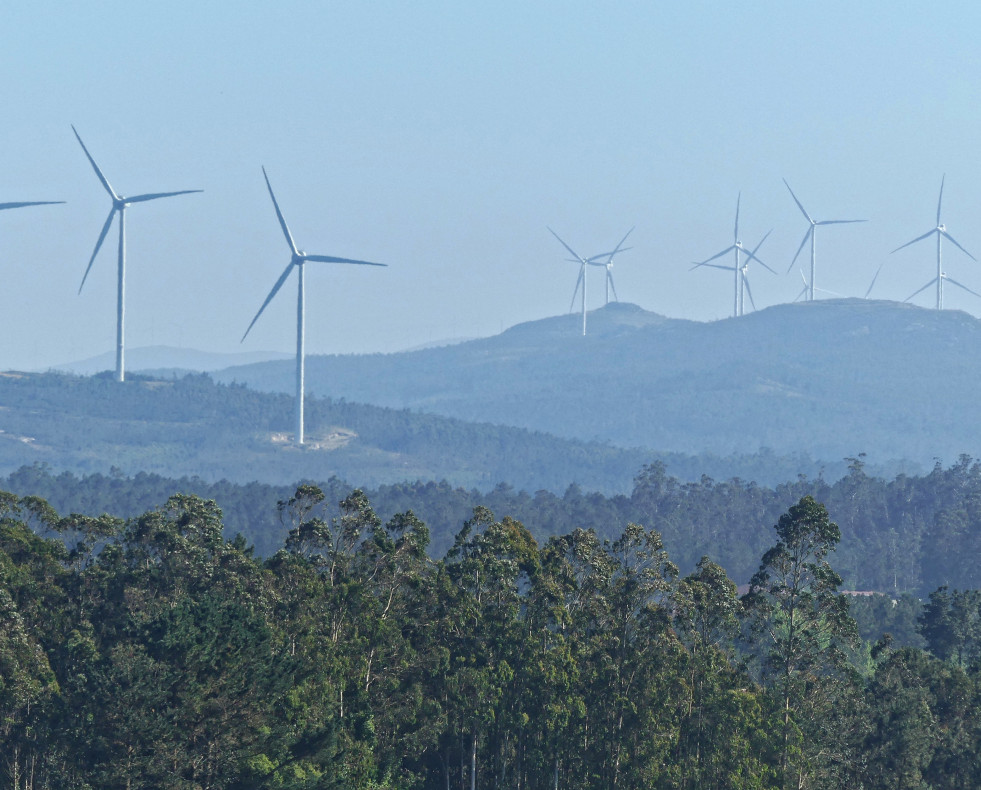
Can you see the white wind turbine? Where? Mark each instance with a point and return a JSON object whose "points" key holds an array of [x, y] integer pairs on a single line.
{"points": [[597, 260], [736, 247], [812, 234], [297, 259], [942, 234], [583, 263], [744, 277], [119, 204]]}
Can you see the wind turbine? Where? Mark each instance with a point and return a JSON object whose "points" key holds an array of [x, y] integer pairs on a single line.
{"points": [[609, 265], [583, 263], [744, 277], [297, 259], [596, 260], [942, 234], [812, 234], [119, 204], [737, 248]]}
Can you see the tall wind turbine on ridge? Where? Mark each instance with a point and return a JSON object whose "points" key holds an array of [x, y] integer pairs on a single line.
{"points": [[812, 234], [744, 277], [583, 263], [119, 204], [942, 234], [736, 247], [297, 259]]}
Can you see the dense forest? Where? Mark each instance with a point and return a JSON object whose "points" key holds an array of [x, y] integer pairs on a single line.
{"points": [[152, 652], [904, 535]]}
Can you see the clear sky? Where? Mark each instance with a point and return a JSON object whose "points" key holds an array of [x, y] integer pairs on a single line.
{"points": [[443, 137]]}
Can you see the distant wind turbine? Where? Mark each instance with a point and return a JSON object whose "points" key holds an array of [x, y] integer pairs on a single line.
{"points": [[297, 259], [583, 263], [736, 247], [812, 234], [744, 278], [942, 234], [119, 204], [597, 260]]}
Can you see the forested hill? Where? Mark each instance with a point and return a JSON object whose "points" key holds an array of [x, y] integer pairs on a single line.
{"points": [[900, 535], [192, 426], [829, 378]]}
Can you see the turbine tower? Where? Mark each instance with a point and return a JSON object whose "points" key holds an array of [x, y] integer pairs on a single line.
{"points": [[119, 204], [583, 263], [942, 234], [736, 247], [297, 259], [812, 234]]}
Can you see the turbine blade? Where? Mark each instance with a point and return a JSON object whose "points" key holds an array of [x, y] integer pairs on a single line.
{"points": [[807, 235], [940, 199], [272, 293], [874, 279], [953, 241], [30, 203], [620, 245], [578, 257], [609, 276], [799, 205], [711, 266], [961, 285], [749, 292], [595, 258], [332, 259], [98, 244], [918, 238], [576, 289], [735, 228], [801, 294], [751, 255], [839, 221], [156, 195], [282, 220], [920, 290], [756, 248], [95, 167], [717, 255]]}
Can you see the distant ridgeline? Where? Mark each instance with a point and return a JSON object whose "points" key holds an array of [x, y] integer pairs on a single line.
{"points": [[827, 378], [906, 534]]}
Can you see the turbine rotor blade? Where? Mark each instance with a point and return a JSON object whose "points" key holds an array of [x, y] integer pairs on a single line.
{"points": [[918, 238], [595, 258], [332, 259], [756, 248], [98, 172], [807, 235], [618, 247], [272, 293], [98, 244], [609, 276], [726, 251], [30, 203], [961, 285], [735, 228], [282, 220], [749, 291], [750, 254], [872, 284], [953, 241], [799, 205], [576, 289], [839, 221], [940, 199], [157, 195], [920, 290], [711, 266], [571, 251]]}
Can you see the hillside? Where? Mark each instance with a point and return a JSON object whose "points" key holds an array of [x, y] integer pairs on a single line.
{"points": [[829, 378], [193, 427]]}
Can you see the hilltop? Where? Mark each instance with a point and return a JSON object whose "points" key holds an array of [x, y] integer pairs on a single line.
{"points": [[828, 378]]}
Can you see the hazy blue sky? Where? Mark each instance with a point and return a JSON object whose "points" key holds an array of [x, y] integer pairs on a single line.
{"points": [[442, 138]]}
